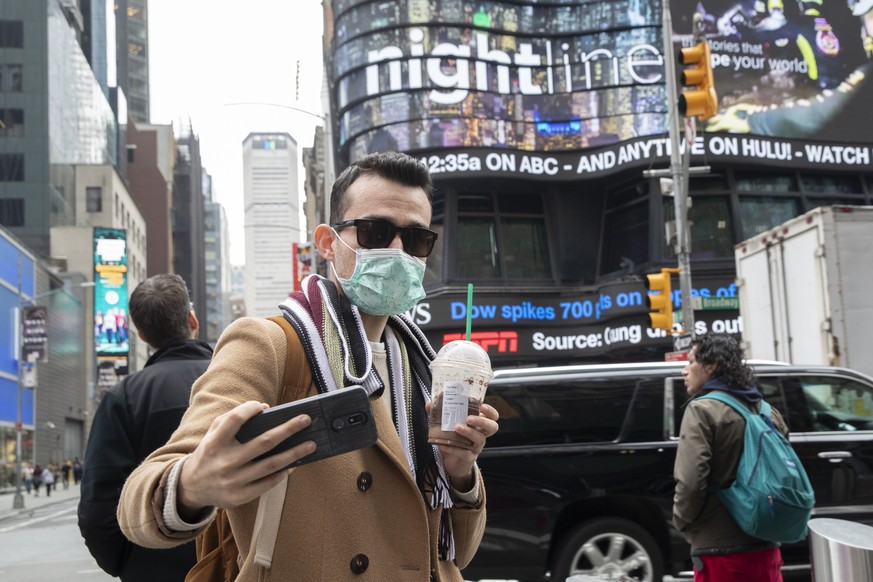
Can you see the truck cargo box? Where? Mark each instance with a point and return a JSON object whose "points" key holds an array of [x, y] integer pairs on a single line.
{"points": [[806, 289]]}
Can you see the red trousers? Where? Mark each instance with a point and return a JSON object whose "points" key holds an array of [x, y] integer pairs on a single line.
{"points": [[758, 566]]}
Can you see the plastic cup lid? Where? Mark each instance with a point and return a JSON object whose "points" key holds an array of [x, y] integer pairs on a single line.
{"points": [[464, 352]]}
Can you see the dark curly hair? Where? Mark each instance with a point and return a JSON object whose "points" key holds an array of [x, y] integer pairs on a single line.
{"points": [[726, 354]]}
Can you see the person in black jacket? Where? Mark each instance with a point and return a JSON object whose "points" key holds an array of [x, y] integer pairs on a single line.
{"points": [[134, 418]]}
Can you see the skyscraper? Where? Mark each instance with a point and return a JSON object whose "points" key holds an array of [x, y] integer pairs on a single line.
{"points": [[132, 38], [272, 219], [188, 216], [54, 117], [216, 263]]}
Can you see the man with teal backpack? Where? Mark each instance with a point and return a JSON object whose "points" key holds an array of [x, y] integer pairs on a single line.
{"points": [[740, 488]]}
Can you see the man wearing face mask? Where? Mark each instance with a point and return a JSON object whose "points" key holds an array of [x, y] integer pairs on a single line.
{"points": [[399, 510]]}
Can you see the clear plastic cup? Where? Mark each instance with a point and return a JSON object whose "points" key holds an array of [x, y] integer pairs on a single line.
{"points": [[461, 372]]}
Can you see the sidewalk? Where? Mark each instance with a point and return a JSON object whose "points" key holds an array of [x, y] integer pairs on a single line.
{"points": [[32, 502]]}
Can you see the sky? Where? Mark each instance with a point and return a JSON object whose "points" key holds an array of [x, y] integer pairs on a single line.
{"points": [[205, 55]]}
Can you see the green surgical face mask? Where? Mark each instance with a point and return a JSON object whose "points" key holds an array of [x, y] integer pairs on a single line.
{"points": [[385, 281]]}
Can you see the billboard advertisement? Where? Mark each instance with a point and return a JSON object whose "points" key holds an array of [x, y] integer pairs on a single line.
{"points": [[34, 334], [302, 262], [571, 324], [571, 80], [111, 322], [110, 371]]}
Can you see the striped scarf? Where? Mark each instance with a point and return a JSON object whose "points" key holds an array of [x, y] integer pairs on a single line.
{"points": [[339, 354]]}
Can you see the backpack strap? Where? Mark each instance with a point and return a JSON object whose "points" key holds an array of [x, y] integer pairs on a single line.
{"points": [[298, 374], [296, 383]]}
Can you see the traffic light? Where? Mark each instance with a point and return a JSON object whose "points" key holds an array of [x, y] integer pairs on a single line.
{"points": [[701, 102], [660, 300]]}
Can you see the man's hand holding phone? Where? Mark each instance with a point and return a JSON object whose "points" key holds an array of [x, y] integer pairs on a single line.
{"points": [[246, 451], [222, 472]]}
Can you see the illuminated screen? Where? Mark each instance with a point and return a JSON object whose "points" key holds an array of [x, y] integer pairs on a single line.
{"points": [[571, 76], [111, 320]]}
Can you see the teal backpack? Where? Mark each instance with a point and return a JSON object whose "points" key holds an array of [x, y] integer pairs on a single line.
{"points": [[771, 498]]}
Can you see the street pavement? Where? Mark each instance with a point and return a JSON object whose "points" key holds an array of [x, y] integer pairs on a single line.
{"points": [[32, 502], [42, 542]]}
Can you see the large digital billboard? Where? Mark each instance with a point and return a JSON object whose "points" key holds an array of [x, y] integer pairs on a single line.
{"points": [[514, 326], [580, 86], [111, 321]]}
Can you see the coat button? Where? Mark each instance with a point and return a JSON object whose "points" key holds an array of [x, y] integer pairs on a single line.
{"points": [[365, 481], [359, 564]]}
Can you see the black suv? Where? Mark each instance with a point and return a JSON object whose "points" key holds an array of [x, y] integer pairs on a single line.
{"points": [[579, 479]]}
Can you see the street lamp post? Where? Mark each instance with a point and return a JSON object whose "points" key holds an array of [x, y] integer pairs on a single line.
{"points": [[18, 499]]}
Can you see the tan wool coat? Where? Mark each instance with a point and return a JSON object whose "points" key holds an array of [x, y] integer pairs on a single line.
{"points": [[358, 516]]}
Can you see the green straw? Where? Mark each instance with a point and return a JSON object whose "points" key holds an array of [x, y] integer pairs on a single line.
{"points": [[469, 308]]}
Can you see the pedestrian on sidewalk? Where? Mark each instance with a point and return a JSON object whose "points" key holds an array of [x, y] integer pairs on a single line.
{"points": [[67, 473], [77, 470], [135, 417], [27, 477], [37, 479], [48, 477], [710, 445], [433, 496]]}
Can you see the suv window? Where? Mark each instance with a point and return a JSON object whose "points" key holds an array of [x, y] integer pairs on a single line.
{"points": [[578, 411], [564, 412], [646, 421], [811, 403], [837, 404]]}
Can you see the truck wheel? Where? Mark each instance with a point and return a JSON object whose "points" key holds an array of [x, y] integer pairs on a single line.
{"points": [[609, 549]]}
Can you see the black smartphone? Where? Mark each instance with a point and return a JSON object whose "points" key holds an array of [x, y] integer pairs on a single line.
{"points": [[342, 421]]}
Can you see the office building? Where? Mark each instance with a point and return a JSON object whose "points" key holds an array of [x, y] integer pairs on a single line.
{"points": [[272, 219], [188, 221], [132, 39], [217, 265], [150, 175], [55, 116]]}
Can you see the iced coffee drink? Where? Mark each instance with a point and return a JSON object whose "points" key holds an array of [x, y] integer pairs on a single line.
{"points": [[461, 372]]}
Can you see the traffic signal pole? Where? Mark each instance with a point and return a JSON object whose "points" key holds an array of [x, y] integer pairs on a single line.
{"points": [[679, 172]]}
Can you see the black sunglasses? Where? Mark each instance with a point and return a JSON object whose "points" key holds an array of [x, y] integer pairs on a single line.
{"points": [[375, 233]]}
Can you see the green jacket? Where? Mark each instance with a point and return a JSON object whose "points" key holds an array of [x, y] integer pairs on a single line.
{"points": [[710, 445]]}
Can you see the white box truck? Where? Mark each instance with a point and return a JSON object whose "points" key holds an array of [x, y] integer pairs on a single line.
{"points": [[806, 289]]}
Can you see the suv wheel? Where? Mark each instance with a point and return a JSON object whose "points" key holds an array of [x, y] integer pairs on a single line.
{"points": [[609, 549]]}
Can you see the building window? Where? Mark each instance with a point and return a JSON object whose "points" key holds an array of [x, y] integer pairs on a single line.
{"points": [[11, 167], [821, 184], [501, 237], [269, 143], [816, 201], [10, 78], [94, 199], [764, 182], [625, 229], [711, 229], [12, 211], [761, 213], [824, 190], [11, 122], [11, 34]]}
